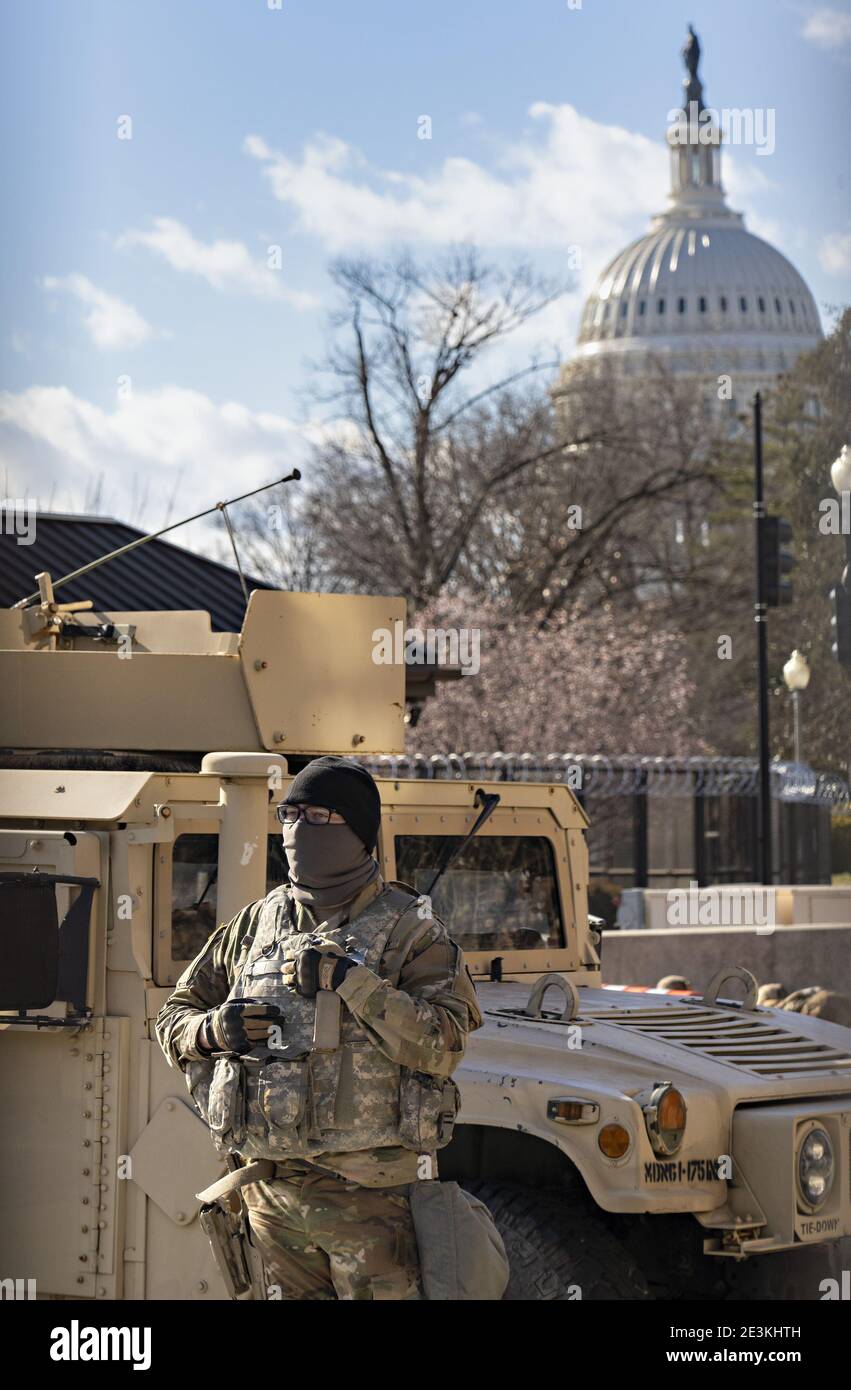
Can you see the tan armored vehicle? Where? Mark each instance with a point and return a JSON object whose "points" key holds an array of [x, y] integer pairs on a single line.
{"points": [[630, 1145]]}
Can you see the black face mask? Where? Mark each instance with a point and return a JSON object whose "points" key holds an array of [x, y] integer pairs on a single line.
{"points": [[329, 864]]}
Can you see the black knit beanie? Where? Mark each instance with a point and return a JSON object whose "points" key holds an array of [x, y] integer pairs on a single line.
{"points": [[343, 786]]}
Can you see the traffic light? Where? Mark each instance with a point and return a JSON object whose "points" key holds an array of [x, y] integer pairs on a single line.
{"points": [[777, 561], [840, 622]]}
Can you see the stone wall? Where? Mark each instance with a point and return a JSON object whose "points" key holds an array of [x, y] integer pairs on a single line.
{"points": [[795, 956]]}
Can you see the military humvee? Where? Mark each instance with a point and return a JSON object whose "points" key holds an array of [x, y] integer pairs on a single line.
{"points": [[630, 1145]]}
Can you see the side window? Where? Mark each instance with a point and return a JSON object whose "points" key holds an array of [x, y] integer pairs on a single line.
{"points": [[501, 892], [195, 866]]}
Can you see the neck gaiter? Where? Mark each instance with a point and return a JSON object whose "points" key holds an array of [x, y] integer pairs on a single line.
{"points": [[329, 864]]}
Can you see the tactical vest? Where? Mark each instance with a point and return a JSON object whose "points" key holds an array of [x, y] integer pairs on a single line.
{"points": [[293, 1100]]}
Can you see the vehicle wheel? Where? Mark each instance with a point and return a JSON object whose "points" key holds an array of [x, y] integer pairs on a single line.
{"points": [[558, 1247]]}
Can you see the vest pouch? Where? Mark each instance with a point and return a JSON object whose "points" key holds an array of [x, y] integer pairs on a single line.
{"points": [[428, 1106], [281, 1094], [226, 1104], [198, 1076], [329, 1105]]}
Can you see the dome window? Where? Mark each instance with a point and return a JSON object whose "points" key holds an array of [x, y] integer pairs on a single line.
{"points": [[660, 307], [792, 305], [743, 304], [701, 303], [761, 303], [723, 303], [778, 306], [642, 307], [624, 308], [681, 305]]}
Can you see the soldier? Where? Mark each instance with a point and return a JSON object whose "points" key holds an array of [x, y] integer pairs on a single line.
{"points": [[319, 1029], [814, 1000], [769, 996], [677, 983], [818, 1002]]}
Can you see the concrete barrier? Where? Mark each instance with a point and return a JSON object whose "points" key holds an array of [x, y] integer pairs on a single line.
{"points": [[796, 956], [735, 904]]}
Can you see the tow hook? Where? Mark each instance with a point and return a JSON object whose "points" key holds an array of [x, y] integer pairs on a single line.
{"points": [[732, 1241]]}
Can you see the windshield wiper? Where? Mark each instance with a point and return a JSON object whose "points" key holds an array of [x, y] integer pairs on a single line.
{"points": [[488, 802]]}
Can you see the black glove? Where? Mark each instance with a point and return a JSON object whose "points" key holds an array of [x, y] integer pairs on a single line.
{"points": [[238, 1026], [313, 970]]}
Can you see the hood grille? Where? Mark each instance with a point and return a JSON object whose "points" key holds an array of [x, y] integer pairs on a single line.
{"points": [[751, 1042]]}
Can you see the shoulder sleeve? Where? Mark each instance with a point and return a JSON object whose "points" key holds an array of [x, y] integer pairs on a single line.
{"points": [[423, 1020], [206, 982]]}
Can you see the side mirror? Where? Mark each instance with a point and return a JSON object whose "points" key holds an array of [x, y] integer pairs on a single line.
{"points": [[29, 942], [42, 960]]}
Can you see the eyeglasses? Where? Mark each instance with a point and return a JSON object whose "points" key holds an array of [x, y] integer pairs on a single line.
{"points": [[314, 815]]}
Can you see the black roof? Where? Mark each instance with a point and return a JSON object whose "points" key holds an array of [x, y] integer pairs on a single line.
{"points": [[158, 575]]}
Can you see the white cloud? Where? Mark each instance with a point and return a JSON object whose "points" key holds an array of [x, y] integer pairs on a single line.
{"points": [[572, 181], [111, 323], [141, 449], [569, 183], [835, 252], [828, 28], [226, 265]]}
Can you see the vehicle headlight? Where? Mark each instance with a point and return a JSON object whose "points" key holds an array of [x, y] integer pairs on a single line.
{"points": [[665, 1117], [815, 1168]]}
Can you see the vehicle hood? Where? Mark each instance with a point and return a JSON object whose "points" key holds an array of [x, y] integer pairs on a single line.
{"points": [[754, 1054]]}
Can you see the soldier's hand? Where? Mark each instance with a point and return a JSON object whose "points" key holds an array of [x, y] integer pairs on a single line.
{"points": [[317, 968], [241, 1024]]}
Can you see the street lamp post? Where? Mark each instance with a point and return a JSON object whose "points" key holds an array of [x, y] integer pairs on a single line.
{"points": [[796, 674], [840, 476], [760, 615]]}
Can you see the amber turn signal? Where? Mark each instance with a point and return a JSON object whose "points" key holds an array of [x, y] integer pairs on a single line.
{"points": [[613, 1141], [568, 1110]]}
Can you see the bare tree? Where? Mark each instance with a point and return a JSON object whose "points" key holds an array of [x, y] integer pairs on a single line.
{"points": [[439, 478], [427, 442], [624, 512], [279, 541]]}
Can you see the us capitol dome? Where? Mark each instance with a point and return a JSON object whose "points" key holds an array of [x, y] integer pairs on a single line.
{"points": [[698, 292]]}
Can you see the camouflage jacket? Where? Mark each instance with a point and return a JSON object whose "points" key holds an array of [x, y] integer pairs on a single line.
{"points": [[406, 1015]]}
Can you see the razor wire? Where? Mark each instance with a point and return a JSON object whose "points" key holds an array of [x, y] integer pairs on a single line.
{"points": [[602, 776]]}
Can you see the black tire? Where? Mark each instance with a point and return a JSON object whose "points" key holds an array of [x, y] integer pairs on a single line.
{"points": [[557, 1245]]}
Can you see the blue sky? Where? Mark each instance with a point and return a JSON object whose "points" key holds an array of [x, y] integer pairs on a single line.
{"points": [[146, 345]]}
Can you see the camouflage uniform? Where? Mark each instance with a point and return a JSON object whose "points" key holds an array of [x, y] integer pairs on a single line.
{"points": [[407, 1012], [323, 1237]]}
